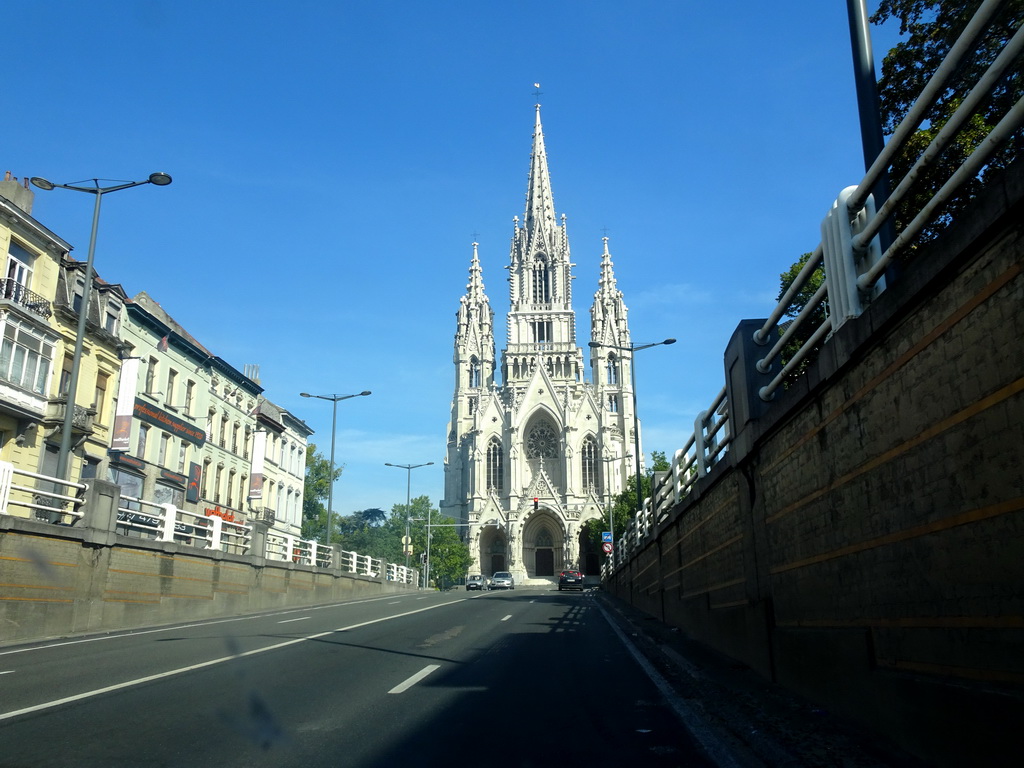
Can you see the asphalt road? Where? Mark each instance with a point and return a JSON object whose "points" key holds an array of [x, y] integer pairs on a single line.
{"points": [[531, 677]]}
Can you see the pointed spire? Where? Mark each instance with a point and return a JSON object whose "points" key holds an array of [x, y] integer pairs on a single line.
{"points": [[475, 286], [540, 205], [607, 281]]}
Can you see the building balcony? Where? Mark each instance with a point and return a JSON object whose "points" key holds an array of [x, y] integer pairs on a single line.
{"points": [[82, 422], [16, 294]]}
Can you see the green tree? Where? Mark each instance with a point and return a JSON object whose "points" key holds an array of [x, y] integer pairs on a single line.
{"points": [[315, 494], [624, 506], [449, 554], [800, 300], [930, 28]]}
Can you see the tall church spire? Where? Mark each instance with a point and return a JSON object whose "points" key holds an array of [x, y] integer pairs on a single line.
{"points": [[540, 204], [474, 335], [541, 321], [608, 312]]}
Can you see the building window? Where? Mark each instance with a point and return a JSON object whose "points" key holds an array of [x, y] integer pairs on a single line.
{"points": [[588, 460], [541, 331], [613, 403], [612, 370], [26, 357], [19, 271], [182, 456], [165, 444], [111, 322], [542, 442], [143, 439], [172, 380], [206, 475], [151, 376], [474, 372], [76, 300], [190, 395], [100, 399], [495, 466], [541, 280]]}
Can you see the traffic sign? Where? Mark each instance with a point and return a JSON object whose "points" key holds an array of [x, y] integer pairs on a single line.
{"points": [[607, 547], [606, 536]]}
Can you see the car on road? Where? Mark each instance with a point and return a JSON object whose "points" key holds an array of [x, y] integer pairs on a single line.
{"points": [[570, 579], [502, 580], [475, 582]]}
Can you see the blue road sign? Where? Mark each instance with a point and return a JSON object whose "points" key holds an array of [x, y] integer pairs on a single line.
{"points": [[606, 536]]}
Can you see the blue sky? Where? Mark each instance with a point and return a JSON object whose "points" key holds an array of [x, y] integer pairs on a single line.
{"points": [[334, 161]]}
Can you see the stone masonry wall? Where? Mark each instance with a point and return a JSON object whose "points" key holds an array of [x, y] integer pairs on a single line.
{"points": [[55, 582], [868, 551]]}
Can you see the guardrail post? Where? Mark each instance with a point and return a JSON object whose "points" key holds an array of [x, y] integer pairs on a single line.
{"points": [[167, 521], [217, 532], [742, 382], [100, 519], [258, 542]]}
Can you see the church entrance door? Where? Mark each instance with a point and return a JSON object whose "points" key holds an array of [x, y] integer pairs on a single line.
{"points": [[497, 564], [545, 562]]}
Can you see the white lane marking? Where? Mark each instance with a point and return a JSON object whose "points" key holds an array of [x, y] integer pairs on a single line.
{"points": [[289, 621], [395, 603], [173, 672], [507, 617], [7, 672], [422, 598], [402, 687], [178, 627]]}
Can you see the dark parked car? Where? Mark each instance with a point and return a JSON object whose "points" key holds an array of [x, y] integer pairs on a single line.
{"points": [[570, 579], [502, 580], [475, 582]]}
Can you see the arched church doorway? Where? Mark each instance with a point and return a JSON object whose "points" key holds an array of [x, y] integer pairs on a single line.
{"points": [[543, 545], [493, 552], [590, 555]]}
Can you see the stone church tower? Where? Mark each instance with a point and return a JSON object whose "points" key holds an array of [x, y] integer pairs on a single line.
{"points": [[533, 458]]}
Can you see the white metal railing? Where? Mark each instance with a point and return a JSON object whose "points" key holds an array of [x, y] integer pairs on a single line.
{"points": [[851, 257], [282, 546], [353, 562], [166, 522], [55, 506]]}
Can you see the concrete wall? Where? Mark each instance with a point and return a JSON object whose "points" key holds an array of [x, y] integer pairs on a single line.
{"points": [[60, 580], [863, 544]]}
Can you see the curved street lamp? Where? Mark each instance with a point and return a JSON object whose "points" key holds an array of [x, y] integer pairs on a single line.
{"points": [[407, 544], [636, 424], [158, 179], [334, 426]]}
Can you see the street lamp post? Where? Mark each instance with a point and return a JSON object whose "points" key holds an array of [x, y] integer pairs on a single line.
{"points": [[334, 428], [160, 180], [632, 349], [407, 543]]}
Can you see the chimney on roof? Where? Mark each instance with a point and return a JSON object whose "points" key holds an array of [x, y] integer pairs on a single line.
{"points": [[19, 194]]}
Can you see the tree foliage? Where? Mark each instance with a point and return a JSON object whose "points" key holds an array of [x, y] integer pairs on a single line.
{"points": [[316, 491], [800, 300], [930, 28], [624, 506]]}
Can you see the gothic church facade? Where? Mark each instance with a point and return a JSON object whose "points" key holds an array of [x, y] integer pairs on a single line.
{"points": [[532, 458]]}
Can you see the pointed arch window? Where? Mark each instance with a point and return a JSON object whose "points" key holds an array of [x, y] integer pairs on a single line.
{"points": [[612, 370], [588, 461], [541, 280], [495, 466], [544, 538], [474, 372]]}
